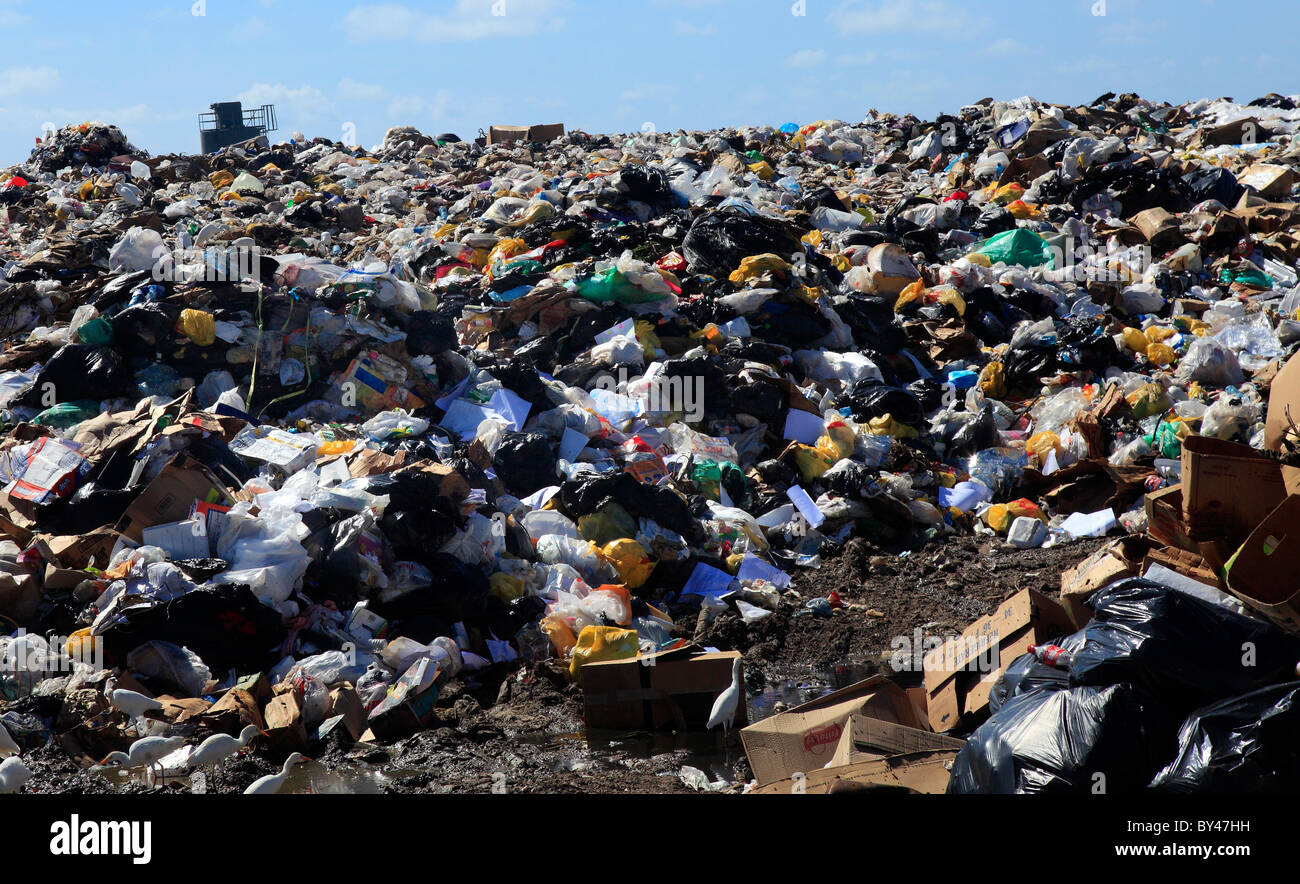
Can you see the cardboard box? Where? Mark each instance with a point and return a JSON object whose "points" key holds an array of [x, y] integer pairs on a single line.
{"points": [[1165, 523], [805, 738], [284, 722], [1228, 488], [544, 133], [870, 739], [1186, 563], [1265, 572], [960, 675], [1283, 411], [171, 495], [1270, 181], [923, 772], [1099, 570], [674, 689]]}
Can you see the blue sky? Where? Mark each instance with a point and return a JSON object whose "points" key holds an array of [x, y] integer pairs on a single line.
{"points": [[453, 65]]}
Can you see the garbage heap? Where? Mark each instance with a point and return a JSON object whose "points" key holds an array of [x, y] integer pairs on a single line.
{"points": [[294, 433]]}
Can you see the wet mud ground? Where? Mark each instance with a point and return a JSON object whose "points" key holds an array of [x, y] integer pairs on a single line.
{"points": [[521, 730]]}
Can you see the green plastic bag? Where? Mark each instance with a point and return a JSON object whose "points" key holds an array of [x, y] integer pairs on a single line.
{"points": [[67, 414], [96, 332], [1255, 278], [1019, 246], [612, 285], [1165, 442]]}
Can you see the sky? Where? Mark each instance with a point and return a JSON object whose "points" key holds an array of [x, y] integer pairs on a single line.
{"points": [[350, 69]]}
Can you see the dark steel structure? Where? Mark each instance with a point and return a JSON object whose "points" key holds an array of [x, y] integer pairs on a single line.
{"points": [[228, 123]]}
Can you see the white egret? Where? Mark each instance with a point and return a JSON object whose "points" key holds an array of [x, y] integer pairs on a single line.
{"points": [[724, 708], [145, 753], [216, 749], [7, 745], [133, 704], [273, 783], [13, 774]]}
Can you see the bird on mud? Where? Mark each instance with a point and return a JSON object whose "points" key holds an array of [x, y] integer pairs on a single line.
{"points": [[724, 708], [216, 749], [13, 774], [134, 705], [273, 783], [144, 753], [7, 745]]}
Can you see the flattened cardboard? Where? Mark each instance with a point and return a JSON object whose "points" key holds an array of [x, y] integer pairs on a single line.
{"points": [[805, 738], [1164, 509], [1100, 569], [1265, 572], [170, 496], [870, 739], [1228, 488], [952, 678], [923, 772], [671, 689]]}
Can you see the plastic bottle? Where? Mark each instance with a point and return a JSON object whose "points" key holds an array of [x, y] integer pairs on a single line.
{"points": [[1053, 655]]}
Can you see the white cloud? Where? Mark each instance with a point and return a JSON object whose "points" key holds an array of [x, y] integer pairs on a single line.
{"points": [[689, 29], [881, 16], [306, 103], [466, 20], [806, 58], [851, 60], [24, 81], [352, 90], [415, 109]]}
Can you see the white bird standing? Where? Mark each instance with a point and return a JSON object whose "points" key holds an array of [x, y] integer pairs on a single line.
{"points": [[133, 704], [7, 745], [145, 752], [273, 783], [13, 774], [724, 708], [216, 749]]}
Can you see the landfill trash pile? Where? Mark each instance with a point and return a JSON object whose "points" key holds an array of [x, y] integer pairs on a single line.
{"points": [[297, 436]]}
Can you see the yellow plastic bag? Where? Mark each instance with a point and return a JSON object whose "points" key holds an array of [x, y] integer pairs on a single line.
{"points": [[506, 587], [1040, 445], [915, 292], [561, 636], [756, 265], [197, 325], [993, 380], [597, 643], [885, 425], [1135, 340], [630, 559], [1147, 400], [1161, 354], [762, 170]]}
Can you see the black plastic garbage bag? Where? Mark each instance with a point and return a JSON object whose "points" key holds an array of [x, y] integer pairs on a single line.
{"points": [[418, 519], [718, 241], [77, 371], [1214, 183], [578, 497], [224, 624], [1027, 673], [525, 462], [428, 334], [1249, 743], [1076, 740], [868, 400], [459, 593], [1186, 651], [145, 329]]}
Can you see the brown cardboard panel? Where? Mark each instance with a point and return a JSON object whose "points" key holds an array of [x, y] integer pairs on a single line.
{"points": [[1265, 572], [924, 772], [1228, 488], [671, 689], [171, 495], [952, 676], [805, 738]]}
